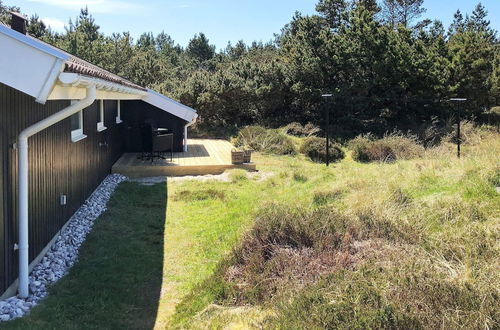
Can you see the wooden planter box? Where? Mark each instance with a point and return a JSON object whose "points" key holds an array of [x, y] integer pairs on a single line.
{"points": [[248, 156], [237, 157]]}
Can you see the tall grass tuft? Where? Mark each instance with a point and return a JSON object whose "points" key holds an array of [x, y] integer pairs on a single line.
{"points": [[365, 148], [315, 149], [272, 141]]}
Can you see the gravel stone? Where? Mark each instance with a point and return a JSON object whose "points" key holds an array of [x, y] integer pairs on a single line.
{"points": [[64, 252]]}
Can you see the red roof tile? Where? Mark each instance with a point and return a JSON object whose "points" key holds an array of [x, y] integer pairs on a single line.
{"points": [[77, 65]]}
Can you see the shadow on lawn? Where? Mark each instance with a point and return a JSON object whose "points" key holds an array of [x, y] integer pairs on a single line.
{"points": [[117, 281]]}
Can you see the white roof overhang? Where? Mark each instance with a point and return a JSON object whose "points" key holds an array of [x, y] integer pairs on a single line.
{"points": [[36, 69], [27, 65], [72, 86], [167, 104]]}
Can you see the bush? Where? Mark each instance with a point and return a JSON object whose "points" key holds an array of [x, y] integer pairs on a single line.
{"points": [[266, 140], [315, 149], [388, 149], [296, 129], [469, 133]]}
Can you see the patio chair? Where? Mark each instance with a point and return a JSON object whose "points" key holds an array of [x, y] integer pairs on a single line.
{"points": [[163, 143]]}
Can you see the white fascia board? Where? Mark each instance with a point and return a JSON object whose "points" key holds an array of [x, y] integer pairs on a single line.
{"points": [[29, 65], [41, 46], [171, 106], [73, 86]]}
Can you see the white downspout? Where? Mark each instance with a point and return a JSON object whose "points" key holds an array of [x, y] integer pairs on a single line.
{"points": [[23, 180], [186, 132]]}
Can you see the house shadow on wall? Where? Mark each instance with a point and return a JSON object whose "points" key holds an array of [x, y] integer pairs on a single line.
{"points": [[116, 283]]}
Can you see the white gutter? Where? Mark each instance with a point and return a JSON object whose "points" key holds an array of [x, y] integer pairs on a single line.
{"points": [[75, 80], [23, 180], [65, 78], [186, 132]]}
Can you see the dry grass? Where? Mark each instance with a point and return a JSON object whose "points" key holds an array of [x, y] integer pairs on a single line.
{"points": [[409, 244], [388, 149], [271, 141]]}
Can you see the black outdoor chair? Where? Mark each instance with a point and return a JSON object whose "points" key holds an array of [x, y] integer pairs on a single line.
{"points": [[161, 144]]}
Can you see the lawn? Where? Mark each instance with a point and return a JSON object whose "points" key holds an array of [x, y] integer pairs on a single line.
{"points": [[117, 280], [298, 245]]}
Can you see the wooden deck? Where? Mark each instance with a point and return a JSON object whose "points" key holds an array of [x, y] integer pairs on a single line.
{"points": [[204, 156]]}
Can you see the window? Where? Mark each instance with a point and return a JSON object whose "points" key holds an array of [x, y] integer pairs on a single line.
{"points": [[77, 126], [118, 113], [100, 124]]}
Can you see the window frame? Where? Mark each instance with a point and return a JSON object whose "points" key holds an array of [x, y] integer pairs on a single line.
{"points": [[100, 124], [77, 134]]}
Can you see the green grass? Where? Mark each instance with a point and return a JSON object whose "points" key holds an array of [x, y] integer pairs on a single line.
{"points": [[409, 244], [117, 280]]}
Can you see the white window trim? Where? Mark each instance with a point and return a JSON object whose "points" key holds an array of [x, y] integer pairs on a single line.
{"points": [[100, 124], [77, 134], [118, 113]]}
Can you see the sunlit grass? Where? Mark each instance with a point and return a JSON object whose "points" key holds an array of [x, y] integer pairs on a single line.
{"points": [[429, 224]]}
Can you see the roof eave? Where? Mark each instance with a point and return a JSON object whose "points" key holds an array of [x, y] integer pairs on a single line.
{"points": [[171, 106]]}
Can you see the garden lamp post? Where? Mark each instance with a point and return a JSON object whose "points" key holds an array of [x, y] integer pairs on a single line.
{"points": [[327, 110], [458, 101]]}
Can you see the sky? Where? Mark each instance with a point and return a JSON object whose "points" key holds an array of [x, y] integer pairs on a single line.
{"points": [[220, 20]]}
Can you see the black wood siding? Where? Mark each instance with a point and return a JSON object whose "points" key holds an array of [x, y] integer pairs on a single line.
{"points": [[56, 166], [135, 112]]}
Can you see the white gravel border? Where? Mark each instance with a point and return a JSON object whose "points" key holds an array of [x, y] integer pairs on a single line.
{"points": [[64, 252]]}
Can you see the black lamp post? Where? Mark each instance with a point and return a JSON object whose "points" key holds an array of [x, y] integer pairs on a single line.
{"points": [[458, 101], [327, 110]]}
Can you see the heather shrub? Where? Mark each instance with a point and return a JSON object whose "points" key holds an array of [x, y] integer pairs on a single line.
{"points": [[315, 149], [270, 141], [388, 149], [296, 129]]}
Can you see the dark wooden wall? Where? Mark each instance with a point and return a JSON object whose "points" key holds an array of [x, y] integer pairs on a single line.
{"points": [[56, 166], [135, 112]]}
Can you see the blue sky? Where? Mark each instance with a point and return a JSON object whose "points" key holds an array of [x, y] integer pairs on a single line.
{"points": [[220, 20]]}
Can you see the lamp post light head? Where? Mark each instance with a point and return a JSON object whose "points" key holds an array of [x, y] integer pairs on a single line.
{"points": [[327, 95], [458, 100]]}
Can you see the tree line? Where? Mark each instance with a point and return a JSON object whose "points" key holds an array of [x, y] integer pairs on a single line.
{"points": [[386, 68]]}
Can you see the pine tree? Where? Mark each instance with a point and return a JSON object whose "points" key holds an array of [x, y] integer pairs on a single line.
{"points": [[200, 49], [402, 12], [458, 24], [36, 27], [333, 11]]}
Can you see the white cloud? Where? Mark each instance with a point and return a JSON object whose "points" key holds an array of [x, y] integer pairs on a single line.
{"points": [[95, 6], [54, 23]]}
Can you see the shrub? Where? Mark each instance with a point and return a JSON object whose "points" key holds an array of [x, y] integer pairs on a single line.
{"points": [[266, 140], [296, 129], [315, 149], [388, 149]]}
